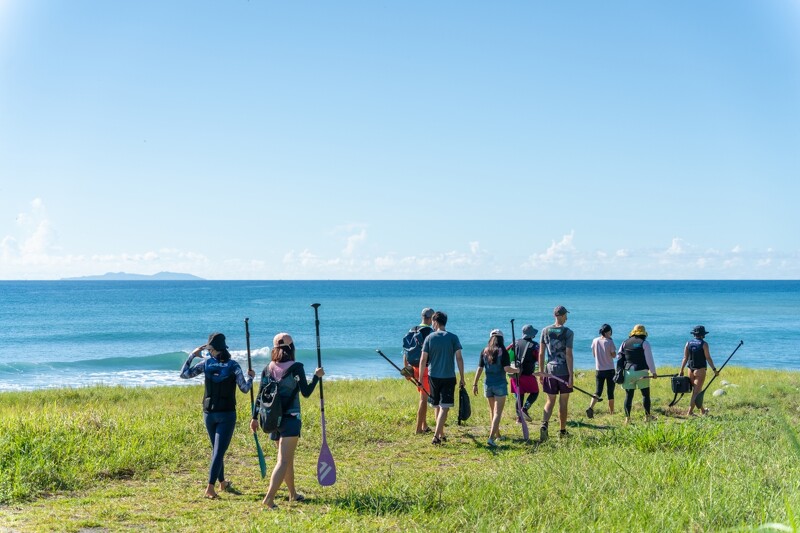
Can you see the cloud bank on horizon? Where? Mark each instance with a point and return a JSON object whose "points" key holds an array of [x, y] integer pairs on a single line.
{"points": [[351, 140], [35, 251]]}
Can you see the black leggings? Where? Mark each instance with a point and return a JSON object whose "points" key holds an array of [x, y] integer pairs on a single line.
{"points": [[629, 400], [531, 399], [604, 377]]}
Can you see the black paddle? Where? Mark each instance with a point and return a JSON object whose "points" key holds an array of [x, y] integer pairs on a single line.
{"points": [[411, 377], [542, 374], [326, 468], [262, 463], [698, 401], [520, 414]]}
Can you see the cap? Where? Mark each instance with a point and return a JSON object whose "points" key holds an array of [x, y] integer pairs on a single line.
{"points": [[281, 339], [560, 310], [638, 330], [427, 312], [217, 341], [699, 330], [529, 331], [496, 333]]}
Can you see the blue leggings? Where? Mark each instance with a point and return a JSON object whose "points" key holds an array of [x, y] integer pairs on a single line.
{"points": [[220, 431]]}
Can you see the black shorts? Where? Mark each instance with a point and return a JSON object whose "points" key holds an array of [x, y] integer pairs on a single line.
{"points": [[443, 392]]}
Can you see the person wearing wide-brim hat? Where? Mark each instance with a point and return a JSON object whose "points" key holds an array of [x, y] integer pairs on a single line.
{"points": [[222, 376], [639, 365], [696, 354]]}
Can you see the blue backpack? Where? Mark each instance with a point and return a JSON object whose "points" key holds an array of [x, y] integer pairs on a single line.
{"points": [[412, 343]]}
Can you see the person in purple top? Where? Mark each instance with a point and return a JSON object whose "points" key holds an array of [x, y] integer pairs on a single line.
{"points": [[222, 376], [604, 351]]}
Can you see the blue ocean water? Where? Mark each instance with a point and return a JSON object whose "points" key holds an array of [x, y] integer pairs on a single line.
{"points": [[76, 333]]}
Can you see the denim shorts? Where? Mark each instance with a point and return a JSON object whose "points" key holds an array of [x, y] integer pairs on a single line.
{"points": [[492, 391], [290, 427]]}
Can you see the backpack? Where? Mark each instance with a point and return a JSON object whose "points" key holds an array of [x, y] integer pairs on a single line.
{"points": [[412, 343], [528, 359], [269, 407], [464, 407]]}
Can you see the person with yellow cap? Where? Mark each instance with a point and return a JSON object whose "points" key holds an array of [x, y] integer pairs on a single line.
{"points": [[639, 365]]}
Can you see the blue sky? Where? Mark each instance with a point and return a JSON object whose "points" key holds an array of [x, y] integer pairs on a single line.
{"points": [[400, 140]]}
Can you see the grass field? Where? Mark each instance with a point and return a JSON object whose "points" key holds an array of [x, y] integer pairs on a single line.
{"points": [[110, 458]]}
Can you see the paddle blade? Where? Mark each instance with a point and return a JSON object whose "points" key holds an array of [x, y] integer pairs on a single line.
{"points": [[262, 463], [326, 469]]}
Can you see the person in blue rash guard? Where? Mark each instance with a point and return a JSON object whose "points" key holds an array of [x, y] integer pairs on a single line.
{"points": [[222, 375]]}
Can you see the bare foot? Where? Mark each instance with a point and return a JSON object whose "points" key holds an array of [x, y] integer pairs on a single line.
{"points": [[211, 495]]}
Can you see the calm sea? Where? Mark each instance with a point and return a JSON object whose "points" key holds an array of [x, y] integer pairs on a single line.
{"points": [[75, 333]]}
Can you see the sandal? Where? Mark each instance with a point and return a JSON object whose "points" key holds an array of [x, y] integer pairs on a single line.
{"points": [[228, 487], [271, 507], [297, 498], [436, 441]]}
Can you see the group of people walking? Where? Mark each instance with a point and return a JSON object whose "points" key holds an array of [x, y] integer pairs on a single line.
{"points": [[553, 354], [431, 357]]}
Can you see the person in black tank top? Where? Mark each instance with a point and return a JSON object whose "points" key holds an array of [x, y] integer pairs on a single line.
{"points": [[696, 355]]}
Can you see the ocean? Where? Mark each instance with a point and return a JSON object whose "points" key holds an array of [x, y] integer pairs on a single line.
{"points": [[138, 333]]}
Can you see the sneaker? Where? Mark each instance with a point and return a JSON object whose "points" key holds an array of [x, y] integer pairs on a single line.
{"points": [[491, 443], [526, 415], [543, 433], [563, 433], [590, 412]]}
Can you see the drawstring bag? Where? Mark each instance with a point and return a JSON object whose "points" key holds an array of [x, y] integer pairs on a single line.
{"points": [[619, 372], [464, 408]]}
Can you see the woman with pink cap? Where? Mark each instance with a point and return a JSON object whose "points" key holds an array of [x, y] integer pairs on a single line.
{"points": [[292, 379]]}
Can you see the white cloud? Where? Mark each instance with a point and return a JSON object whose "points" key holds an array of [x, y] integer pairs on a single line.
{"points": [[353, 241], [678, 247]]}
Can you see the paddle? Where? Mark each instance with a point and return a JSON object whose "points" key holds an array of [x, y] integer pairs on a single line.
{"points": [[542, 374], [698, 401], [405, 375], [326, 468], [262, 463], [520, 414]]}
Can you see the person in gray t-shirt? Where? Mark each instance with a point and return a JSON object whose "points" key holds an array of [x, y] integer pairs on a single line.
{"points": [[441, 349], [555, 357]]}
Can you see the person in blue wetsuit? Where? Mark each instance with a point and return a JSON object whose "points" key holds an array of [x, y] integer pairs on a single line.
{"points": [[292, 379], [222, 375]]}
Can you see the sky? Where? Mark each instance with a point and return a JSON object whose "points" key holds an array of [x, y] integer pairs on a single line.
{"points": [[400, 140]]}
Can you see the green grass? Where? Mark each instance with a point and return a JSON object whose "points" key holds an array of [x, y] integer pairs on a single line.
{"points": [[117, 459]]}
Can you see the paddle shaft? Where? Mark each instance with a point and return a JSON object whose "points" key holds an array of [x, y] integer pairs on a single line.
{"points": [[413, 379], [261, 461], [698, 400], [520, 414], [542, 374]]}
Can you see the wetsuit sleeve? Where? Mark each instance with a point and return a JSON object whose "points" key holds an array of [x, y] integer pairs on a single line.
{"points": [[648, 356], [306, 388], [244, 383], [188, 372]]}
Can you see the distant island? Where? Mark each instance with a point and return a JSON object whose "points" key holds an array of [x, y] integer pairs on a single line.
{"points": [[124, 276]]}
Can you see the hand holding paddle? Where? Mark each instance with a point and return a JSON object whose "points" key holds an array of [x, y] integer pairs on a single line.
{"points": [[520, 412]]}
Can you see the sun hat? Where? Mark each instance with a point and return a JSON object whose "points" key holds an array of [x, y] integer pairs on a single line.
{"points": [[217, 341], [700, 331], [638, 330], [529, 331]]}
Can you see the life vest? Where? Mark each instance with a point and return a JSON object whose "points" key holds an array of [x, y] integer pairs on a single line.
{"points": [[697, 357], [633, 348], [220, 391]]}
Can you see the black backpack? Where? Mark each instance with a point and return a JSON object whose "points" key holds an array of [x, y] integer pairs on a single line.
{"points": [[464, 407], [412, 343], [528, 358], [269, 406]]}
